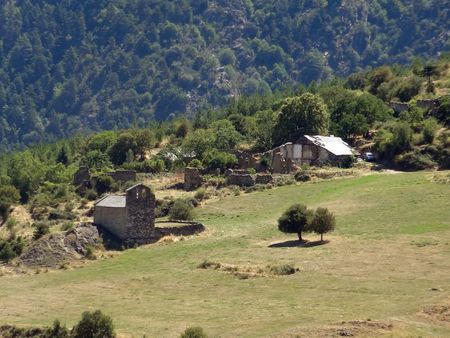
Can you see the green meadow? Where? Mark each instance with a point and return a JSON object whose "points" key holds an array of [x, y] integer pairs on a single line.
{"points": [[388, 262]]}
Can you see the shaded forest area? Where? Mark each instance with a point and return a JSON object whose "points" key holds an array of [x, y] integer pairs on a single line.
{"points": [[77, 66]]}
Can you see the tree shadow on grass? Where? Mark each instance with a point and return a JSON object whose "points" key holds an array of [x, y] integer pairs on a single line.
{"points": [[296, 243]]}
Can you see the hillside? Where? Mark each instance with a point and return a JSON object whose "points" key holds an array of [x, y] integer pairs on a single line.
{"points": [[71, 66], [384, 272]]}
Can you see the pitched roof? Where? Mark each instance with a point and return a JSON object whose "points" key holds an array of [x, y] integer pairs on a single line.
{"points": [[334, 145], [112, 201]]}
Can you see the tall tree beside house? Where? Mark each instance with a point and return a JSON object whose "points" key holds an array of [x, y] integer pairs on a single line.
{"points": [[301, 115]]}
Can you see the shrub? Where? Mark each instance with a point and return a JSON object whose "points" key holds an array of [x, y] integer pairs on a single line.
{"points": [[295, 219], [163, 207], [94, 325], [90, 254], [194, 332], [414, 161], [195, 163], [91, 195], [104, 183], [220, 160], [201, 194], [60, 214], [323, 222], [56, 331], [181, 210], [42, 229], [302, 176], [430, 127], [67, 226], [11, 248], [282, 270], [251, 171]]}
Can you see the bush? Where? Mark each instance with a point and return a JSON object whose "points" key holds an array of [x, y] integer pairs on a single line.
{"points": [[42, 229], [220, 160], [195, 163], [414, 161], [104, 183], [9, 249], [194, 332], [181, 210], [201, 194], [91, 195], [67, 226], [302, 176], [60, 214], [282, 270], [94, 325], [430, 128], [323, 222], [163, 207]]}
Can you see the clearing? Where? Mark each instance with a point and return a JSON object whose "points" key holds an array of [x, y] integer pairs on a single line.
{"points": [[385, 271]]}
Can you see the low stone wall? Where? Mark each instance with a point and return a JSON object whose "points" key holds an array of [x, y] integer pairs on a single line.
{"points": [[123, 175], [398, 107], [241, 180], [264, 179]]}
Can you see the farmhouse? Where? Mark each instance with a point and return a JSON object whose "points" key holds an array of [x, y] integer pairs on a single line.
{"points": [[130, 217], [313, 150]]}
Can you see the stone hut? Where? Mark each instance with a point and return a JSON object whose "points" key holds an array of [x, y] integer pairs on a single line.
{"points": [[192, 179], [129, 217]]}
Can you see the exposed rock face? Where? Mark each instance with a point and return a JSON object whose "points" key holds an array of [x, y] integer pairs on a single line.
{"points": [[58, 248]]}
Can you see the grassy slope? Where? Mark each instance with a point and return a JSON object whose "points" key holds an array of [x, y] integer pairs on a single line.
{"points": [[391, 246]]}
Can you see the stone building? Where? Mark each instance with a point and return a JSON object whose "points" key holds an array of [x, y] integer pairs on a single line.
{"points": [[129, 217], [192, 179], [82, 179], [311, 150]]}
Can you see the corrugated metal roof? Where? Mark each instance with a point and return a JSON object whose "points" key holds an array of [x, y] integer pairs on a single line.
{"points": [[112, 201], [334, 145]]}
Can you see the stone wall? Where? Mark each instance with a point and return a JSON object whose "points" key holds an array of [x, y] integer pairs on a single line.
{"points": [[427, 104], [241, 180], [112, 219], [140, 207], [264, 179], [398, 107], [192, 179], [123, 175], [82, 180]]}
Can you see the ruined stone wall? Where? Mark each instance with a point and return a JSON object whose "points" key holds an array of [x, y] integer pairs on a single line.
{"points": [[427, 104], [241, 180], [398, 107], [81, 176], [112, 219], [264, 179], [123, 175], [192, 179], [140, 215]]}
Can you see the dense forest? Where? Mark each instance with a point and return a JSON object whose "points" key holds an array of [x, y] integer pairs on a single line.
{"points": [[69, 67]]}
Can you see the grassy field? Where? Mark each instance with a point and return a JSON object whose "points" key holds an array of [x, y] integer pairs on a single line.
{"points": [[388, 261]]}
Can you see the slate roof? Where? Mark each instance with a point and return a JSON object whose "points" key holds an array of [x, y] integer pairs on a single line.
{"points": [[112, 201], [334, 145]]}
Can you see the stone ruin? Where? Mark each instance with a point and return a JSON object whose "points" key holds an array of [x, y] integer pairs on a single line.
{"points": [[130, 217], [264, 179], [398, 107], [82, 179], [280, 164], [192, 179], [123, 176]]}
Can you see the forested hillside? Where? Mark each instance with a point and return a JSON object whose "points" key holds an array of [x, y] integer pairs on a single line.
{"points": [[73, 66]]}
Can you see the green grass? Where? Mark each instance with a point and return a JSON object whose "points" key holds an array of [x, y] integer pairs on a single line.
{"points": [[372, 268]]}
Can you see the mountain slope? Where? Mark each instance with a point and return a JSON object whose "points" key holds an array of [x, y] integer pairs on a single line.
{"points": [[70, 66]]}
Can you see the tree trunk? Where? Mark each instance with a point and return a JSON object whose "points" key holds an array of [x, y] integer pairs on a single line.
{"points": [[321, 237], [300, 236]]}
